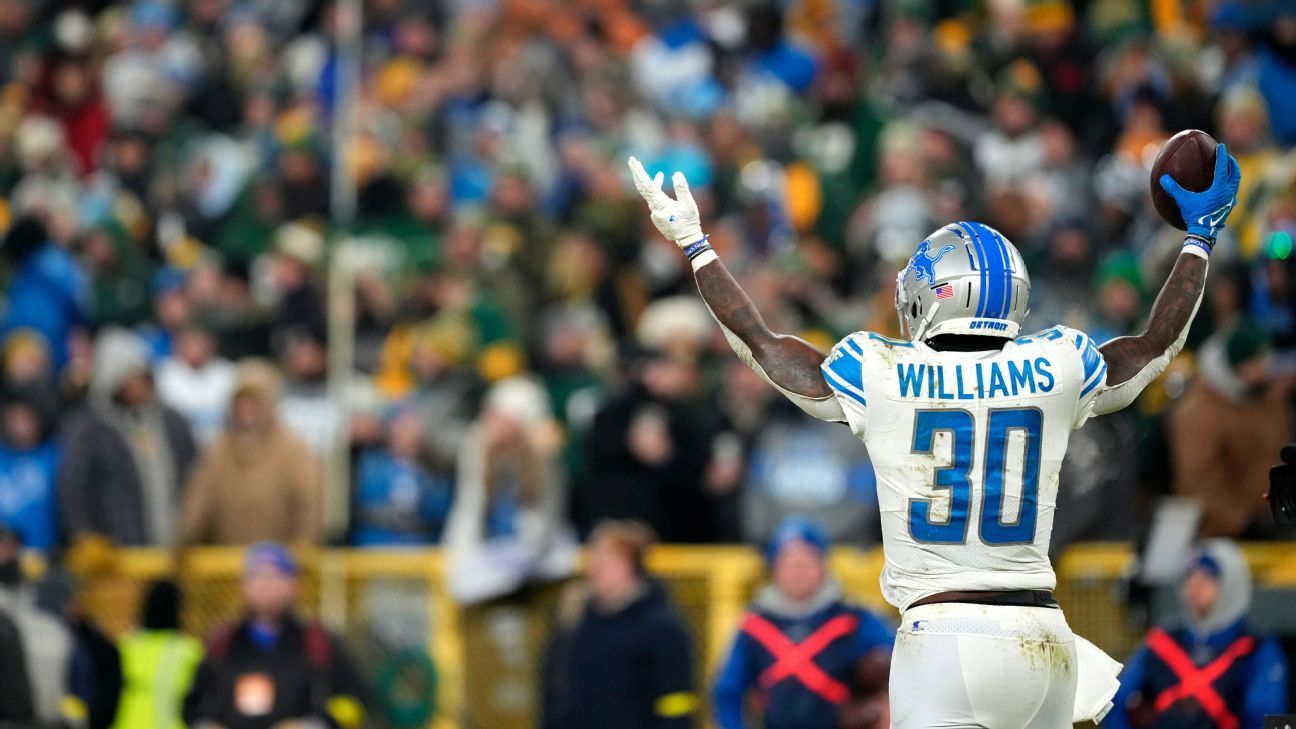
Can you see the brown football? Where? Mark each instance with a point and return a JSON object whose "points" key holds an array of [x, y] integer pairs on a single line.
{"points": [[1188, 157]]}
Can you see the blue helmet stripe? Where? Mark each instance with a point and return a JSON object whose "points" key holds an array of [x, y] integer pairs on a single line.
{"points": [[998, 277], [994, 297], [981, 267], [1007, 273]]}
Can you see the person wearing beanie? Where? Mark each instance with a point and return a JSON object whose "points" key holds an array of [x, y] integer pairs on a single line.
{"points": [[158, 662], [811, 658], [1211, 670], [1227, 429], [507, 525], [274, 668]]}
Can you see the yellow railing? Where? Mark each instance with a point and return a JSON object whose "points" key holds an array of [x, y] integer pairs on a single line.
{"points": [[377, 599]]}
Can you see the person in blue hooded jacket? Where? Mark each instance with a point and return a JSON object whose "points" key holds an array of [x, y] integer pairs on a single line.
{"points": [[47, 291], [1212, 671], [807, 657]]}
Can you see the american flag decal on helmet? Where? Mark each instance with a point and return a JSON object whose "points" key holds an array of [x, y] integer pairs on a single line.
{"points": [[944, 291]]}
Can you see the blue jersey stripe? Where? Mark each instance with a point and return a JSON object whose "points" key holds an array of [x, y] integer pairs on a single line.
{"points": [[1098, 377], [835, 381], [1091, 358], [854, 346], [848, 367]]}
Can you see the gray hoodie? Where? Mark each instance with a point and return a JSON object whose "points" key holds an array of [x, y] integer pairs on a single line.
{"points": [[118, 355], [1235, 588]]}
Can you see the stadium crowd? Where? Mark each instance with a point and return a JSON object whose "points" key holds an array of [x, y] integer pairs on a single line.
{"points": [[530, 356], [167, 229]]}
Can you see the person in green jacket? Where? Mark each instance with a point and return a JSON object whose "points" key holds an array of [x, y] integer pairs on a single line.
{"points": [[158, 663]]}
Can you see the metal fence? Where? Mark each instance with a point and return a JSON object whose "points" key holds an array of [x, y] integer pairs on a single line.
{"points": [[391, 605]]}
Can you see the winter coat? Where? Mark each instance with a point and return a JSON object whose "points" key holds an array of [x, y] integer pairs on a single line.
{"points": [[251, 487], [303, 674], [630, 668], [100, 490], [791, 702], [1245, 671]]}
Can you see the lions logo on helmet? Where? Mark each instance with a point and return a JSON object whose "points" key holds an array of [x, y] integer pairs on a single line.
{"points": [[984, 290], [923, 263]]}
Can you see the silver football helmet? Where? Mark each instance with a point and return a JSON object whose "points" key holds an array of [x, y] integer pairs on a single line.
{"points": [[965, 278]]}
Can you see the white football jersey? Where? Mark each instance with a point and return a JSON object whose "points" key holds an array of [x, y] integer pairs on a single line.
{"points": [[967, 447]]}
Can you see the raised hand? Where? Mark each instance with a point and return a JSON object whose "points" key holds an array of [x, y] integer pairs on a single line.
{"points": [[677, 218], [1205, 212]]}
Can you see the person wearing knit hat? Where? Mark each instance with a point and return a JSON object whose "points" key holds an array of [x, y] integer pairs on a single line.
{"points": [[274, 667], [507, 525], [814, 658], [1227, 429], [1211, 669], [793, 530]]}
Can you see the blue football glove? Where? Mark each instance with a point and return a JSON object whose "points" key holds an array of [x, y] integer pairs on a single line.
{"points": [[1206, 211]]}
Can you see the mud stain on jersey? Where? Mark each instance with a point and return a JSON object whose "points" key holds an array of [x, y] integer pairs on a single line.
{"points": [[1045, 652]]}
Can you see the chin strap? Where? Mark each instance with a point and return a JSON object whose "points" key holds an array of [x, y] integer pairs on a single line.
{"points": [[918, 333]]}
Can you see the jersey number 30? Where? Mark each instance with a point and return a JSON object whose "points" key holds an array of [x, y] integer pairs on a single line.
{"points": [[961, 427]]}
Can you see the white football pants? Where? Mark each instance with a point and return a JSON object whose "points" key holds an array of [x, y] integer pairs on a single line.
{"points": [[984, 666]]}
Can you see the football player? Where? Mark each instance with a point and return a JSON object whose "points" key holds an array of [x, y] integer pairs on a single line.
{"points": [[966, 420]]}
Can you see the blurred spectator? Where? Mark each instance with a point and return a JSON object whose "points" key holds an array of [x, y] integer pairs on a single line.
{"points": [[1099, 501], [47, 644], [120, 276], [272, 667], [1013, 150], [1212, 669], [507, 526], [126, 455], [158, 663], [16, 700], [96, 673], [305, 405], [258, 480], [649, 452], [1222, 434], [399, 500], [172, 312], [71, 97], [1276, 74], [620, 654], [801, 649], [811, 468], [197, 382], [297, 297], [46, 293], [29, 461]]}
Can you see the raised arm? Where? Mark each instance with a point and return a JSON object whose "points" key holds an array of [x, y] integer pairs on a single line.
{"points": [[788, 363], [1135, 361]]}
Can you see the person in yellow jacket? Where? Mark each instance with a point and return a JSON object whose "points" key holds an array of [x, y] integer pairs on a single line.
{"points": [[158, 664]]}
